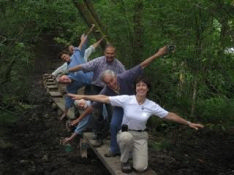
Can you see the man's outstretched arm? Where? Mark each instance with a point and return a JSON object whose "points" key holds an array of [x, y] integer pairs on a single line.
{"points": [[161, 52], [87, 111], [83, 38]]}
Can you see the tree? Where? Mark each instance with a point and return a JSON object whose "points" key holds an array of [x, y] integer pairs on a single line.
{"points": [[90, 16]]}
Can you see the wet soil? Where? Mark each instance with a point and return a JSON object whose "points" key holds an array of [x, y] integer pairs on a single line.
{"points": [[36, 147], [184, 151]]}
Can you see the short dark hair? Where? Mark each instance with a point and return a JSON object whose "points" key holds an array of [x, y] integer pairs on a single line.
{"points": [[109, 45], [144, 79], [62, 52]]}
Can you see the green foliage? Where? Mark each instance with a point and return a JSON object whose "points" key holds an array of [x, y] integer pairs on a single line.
{"points": [[200, 29], [22, 23], [15, 68], [199, 65], [7, 117], [217, 111]]}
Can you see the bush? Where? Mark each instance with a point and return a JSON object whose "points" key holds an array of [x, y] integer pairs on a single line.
{"points": [[216, 110]]}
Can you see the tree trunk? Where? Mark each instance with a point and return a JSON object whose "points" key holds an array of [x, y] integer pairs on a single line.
{"points": [[94, 14], [196, 66], [87, 14], [138, 32], [194, 96]]}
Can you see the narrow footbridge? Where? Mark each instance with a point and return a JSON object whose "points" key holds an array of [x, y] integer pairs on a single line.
{"points": [[57, 92]]}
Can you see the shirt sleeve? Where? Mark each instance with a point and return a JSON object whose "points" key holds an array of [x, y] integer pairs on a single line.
{"points": [[88, 52], [132, 73], [60, 69], [77, 55], [90, 66], [158, 110], [88, 103], [121, 67], [75, 59], [118, 100]]}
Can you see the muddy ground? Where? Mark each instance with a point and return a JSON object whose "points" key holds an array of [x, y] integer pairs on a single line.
{"points": [[35, 147], [33, 144]]}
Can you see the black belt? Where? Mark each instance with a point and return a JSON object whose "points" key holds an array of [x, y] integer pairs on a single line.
{"points": [[137, 130]]}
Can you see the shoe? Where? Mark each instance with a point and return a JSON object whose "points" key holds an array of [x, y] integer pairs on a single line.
{"points": [[111, 154], [68, 125], [126, 167], [98, 143], [94, 137]]}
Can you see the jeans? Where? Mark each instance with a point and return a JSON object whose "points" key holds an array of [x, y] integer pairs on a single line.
{"points": [[99, 123], [83, 124], [115, 126], [72, 88]]}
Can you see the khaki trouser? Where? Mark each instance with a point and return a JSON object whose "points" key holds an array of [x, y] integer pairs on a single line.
{"points": [[137, 143]]}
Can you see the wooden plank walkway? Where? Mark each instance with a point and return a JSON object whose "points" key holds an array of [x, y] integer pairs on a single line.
{"points": [[111, 163]]}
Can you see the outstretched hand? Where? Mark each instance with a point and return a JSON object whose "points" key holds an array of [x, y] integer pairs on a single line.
{"points": [[195, 126], [74, 122], [104, 36], [166, 50], [92, 26], [65, 140], [162, 51], [91, 29], [75, 96], [83, 37]]}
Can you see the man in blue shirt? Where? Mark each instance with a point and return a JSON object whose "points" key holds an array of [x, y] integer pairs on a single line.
{"points": [[74, 80]]}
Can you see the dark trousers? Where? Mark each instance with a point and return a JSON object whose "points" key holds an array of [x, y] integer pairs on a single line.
{"points": [[100, 125]]}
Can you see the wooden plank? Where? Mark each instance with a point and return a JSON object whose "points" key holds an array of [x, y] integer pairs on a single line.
{"points": [[46, 76], [62, 88], [55, 94], [50, 83], [60, 102], [50, 80], [52, 87], [111, 163], [81, 90], [83, 147]]}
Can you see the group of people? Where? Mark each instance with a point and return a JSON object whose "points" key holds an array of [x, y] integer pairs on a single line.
{"points": [[114, 98]]}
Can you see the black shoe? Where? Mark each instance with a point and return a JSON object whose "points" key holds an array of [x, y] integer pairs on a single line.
{"points": [[111, 154], [126, 167], [98, 143]]}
